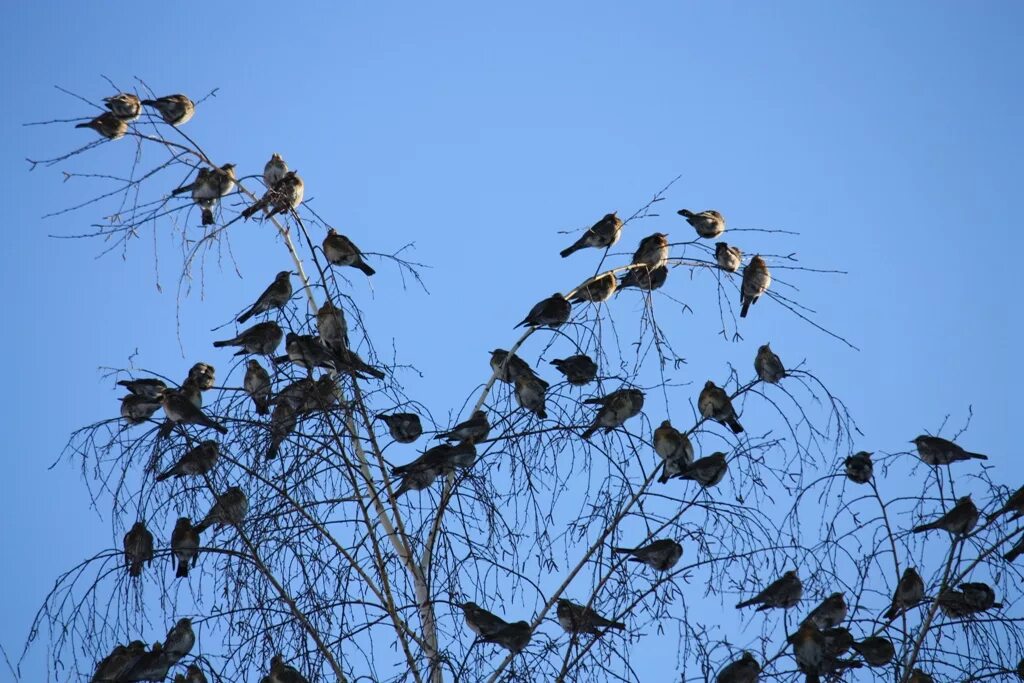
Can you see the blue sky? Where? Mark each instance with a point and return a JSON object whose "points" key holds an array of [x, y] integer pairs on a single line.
{"points": [[887, 134]]}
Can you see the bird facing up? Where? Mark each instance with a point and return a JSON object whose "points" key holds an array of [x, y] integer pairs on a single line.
{"points": [[909, 592], [274, 170], [184, 546], [600, 235], [768, 365]]}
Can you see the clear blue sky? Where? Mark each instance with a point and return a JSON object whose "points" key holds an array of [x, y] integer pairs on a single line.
{"points": [[888, 134]]}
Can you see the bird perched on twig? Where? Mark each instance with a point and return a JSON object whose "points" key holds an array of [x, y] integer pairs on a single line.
{"points": [[809, 651], [148, 387], [909, 592], [285, 195], [660, 555], [934, 450], [756, 280], [576, 618], [330, 324], [442, 459], [830, 613], [642, 278], [261, 338], [257, 384], [174, 109], [403, 427], [513, 637], [1014, 504], [180, 409], [274, 296], [138, 548], [597, 289], [616, 408], [652, 251], [115, 666], [601, 234], [137, 409], [728, 258], [768, 365], [151, 666], [919, 676], [274, 170], [784, 592], [579, 370], [124, 105], [108, 125], [480, 621], [713, 403], [876, 650], [859, 467], [219, 182], [196, 461], [552, 312], [473, 430], [229, 508], [508, 367], [960, 520], [708, 224], [192, 675], [347, 360], [417, 480], [674, 448], [282, 423], [530, 394], [202, 376], [707, 471], [280, 672], [179, 640], [743, 670], [970, 599], [184, 546], [341, 251]]}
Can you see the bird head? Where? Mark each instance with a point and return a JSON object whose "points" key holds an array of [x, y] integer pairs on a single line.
{"points": [[182, 523], [666, 423], [284, 275], [479, 413], [709, 385]]}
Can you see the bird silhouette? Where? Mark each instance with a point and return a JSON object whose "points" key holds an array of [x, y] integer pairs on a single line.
{"points": [[601, 234], [184, 546], [138, 548], [784, 592], [708, 224], [174, 109], [276, 295], [340, 251], [756, 280], [713, 403]]}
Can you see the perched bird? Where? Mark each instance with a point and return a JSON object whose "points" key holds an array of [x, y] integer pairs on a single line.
{"points": [[953, 604], [616, 408], [441, 459], [179, 640], [756, 280], [340, 251], [937, 451], [743, 670], [202, 375], [601, 234], [416, 481], [530, 394], [597, 289], [124, 105], [580, 619], [674, 448], [859, 467], [708, 224], [473, 430], [660, 555], [707, 471], [876, 650], [728, 258], [909, 592], [480, 621], [208, 188], [642, 278], [174, 109], [713, 403], [282, 423], [838, 641], [151, 666], [579, 370], [1016, 551], [285, 195], [196, 461], [403, 427], [768, 366], [179, 409], [149, 387], [918, 676], [979, 597], [513, 637], [1014, 504], [307, 351], [652, 252], [115, 666], [330, 324], [191, 391], [553, 311], [185, 546], [960, 520], [192, 675], [138, 548], [137, 409], [809, 651], [275, 296], [280, 672], [784, 592], [261, 338], [830, 613], [274, 170], [257, 385], [108, 125], [347, 360], [229, 508], [508, 367]]}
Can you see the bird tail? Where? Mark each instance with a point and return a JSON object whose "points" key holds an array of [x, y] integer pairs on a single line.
{"points": [[182, 189], [893, 612], [164, 475], [663, 479], [275, 444], [1015, 552], [734, 425], [925, 527], [182, 572], [361, 265], [617, 625], [216, 425], [245, 316], [570, 250], [812, 678], [135, 569], [262, 408], [542, 414], [745, 603], [149, 103], [226, 342], [165, 429], [622, 551], [590, 432], [87, 124], [976, 456], [208, 217], [746, 307], [202, 526]]}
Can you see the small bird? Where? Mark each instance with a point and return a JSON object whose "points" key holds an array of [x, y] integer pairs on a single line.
{"points": [[601, 234], [480, 621], [937, 451], [137, 409], [179, 640], [530, 394], [838, 641], [1014, 504], [508, 367], [190, 390], [1016, 551], [124, 105], [282, 423], [307, 351], [768, 366], [229, 508], [403, 427], [416, 481], [784, 592], [707, 471], [513, 637], [979, 597], [597, 289], [708, 224], [151, 666], [876, 650], [660, 555], [138, 548], [280, 672], [285, 195], [473, 430], [184, 545], [115, 666], [174, 109], [809, 651], [728, 258], [616, 408], [442, 459], [580, 619], [652, 251], [674, 448], [209, 186], [713, 403], [108, 125], [197, 461], [202, 375], [859, 467], [960, 520], [330, 324], [340, 251], [642, 278], [553, 311], [192, 675], [743, 670], [149, 388], [579, 370], [275, 296], [918, 676], [347, 360], [830, 613], [909, 592], [179, 409], [261, 338], [756, 280], [257, 385], [274, 170]]}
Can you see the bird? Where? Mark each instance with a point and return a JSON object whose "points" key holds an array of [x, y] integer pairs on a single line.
{"points": [[768, 366], [756, 280], [642, 278], [274, 170], [340, 251], [307, 351], [416, 481], [274, 296], [115, 666], [616, 408], [196, 461], [530, 394], [473, 430], [579, 370], [784, 592], [660, 555], [708, 224], [743, 670], [151, 666], [480, 621], [597, 289], [403, 427], [838, 641], [674, 448], [261, 338], [347, 360], [513, 637], [1016, 551], [174, 109], [809, 651], [960, 520], [210, 185], [601, 234], [280, 672], [934, 450], [108, 125], [180, 410], [179, 640], [285, 195], [191, 391], [859, 468], [184, 546], [192, 675], [330, 324], [282, 423], [440, 459], [707, 471], [979, 597], [715, 404], [229, 508], [507, 367], [137, 409], [652, 251], [202, 376], [919, 676], [257, 385], [1014, 504], [728, 258], [124, 105], [149, 387], [552, 312], [576, 618], [830, 613], [909, 592], [138, 548], [876, 650]]}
